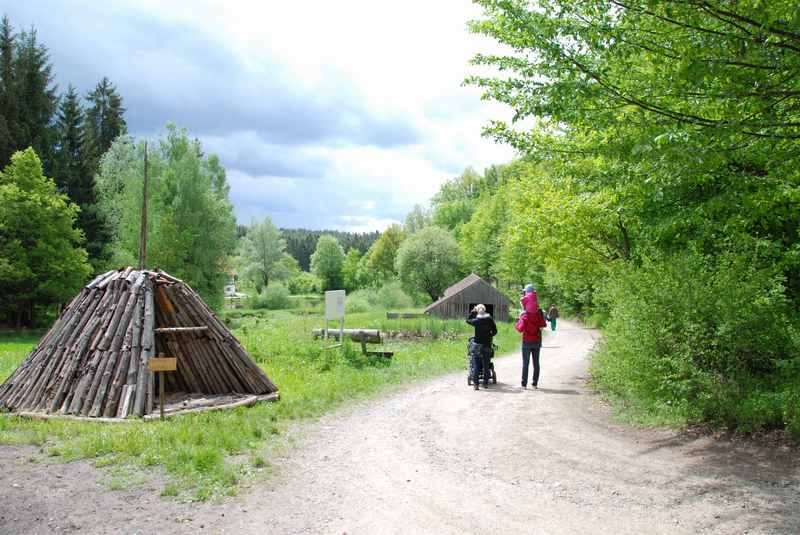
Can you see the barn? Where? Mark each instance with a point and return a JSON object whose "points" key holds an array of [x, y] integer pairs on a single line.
{"points": [[461, 297]]}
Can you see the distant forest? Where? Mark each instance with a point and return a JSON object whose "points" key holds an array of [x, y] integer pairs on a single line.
{"points": [[300, 243]]}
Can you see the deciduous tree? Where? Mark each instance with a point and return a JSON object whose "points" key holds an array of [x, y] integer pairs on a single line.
{"points": [[327, 262], [41, 261], [191, 225], [262, 249], [429, 261]]}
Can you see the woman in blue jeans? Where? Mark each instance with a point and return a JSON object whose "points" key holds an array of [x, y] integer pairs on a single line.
{"points": [[530, 325]]}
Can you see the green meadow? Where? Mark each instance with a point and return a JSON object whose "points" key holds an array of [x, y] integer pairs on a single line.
{"points": [[210, 454]]}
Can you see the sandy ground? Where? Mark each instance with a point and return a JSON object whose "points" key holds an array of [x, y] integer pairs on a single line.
{"points": [[439, 457]]}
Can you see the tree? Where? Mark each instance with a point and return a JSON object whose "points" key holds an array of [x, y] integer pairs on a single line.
{"points": [[480, 238], [286, 268], [429, 261], [69, 165], [327, 262], [41, 262], [262, 249], [350, 274], [8, 97], [105, 120], [417, 219], [382, 254], [191, 226], [28, 95], [300, 243], [453, 204], [75, 177], [691, 128]]}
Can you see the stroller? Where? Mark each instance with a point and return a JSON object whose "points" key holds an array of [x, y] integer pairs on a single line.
{"points": [[472, 349]]}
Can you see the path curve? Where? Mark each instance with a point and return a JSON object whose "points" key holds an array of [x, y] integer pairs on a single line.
{"points": [[438, 457]]}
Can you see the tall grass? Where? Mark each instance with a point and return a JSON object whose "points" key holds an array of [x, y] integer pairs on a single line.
{"points": [[209, 453]]}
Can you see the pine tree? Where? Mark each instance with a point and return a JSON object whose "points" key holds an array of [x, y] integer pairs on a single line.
{"points": [[103, 123], [36, 99], [74, 176], [8, 105], [69, 159], [104, 120]]}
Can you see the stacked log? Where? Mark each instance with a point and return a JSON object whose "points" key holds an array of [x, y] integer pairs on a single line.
{"points": [[93, 362], [372, 336]]}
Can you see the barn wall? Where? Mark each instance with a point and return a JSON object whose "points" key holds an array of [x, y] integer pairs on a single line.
{"points": [[458, 305]]}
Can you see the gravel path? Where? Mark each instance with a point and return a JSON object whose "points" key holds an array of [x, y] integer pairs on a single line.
{"points": [[440, 458]]}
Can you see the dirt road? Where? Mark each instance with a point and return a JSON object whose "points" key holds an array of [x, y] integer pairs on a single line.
{"points": [[441, 458]]}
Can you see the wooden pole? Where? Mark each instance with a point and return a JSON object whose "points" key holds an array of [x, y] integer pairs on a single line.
{"points": [[143, 229], [161, 392]]}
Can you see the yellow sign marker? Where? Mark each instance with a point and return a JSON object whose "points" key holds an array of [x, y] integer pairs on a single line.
{"points": [[163, 364]]}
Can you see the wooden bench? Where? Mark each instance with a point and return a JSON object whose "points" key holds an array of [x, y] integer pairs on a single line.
{"points": [[364, 336]]}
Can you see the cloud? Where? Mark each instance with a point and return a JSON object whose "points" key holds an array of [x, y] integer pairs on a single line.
{"points": [[173, 71], [341, 118], [248, 152]]}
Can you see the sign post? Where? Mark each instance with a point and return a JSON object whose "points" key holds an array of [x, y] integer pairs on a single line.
{"points": [[334, 309], [162, 364]]}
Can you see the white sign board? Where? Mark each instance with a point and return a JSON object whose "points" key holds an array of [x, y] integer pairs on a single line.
{"points": [[334, 304]]}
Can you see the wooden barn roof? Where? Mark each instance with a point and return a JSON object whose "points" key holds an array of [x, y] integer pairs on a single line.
{"points": [[463, 284], [470, 280]]}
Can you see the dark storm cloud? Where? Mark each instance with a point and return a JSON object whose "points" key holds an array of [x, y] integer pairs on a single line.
{"points": [[170, 71]]}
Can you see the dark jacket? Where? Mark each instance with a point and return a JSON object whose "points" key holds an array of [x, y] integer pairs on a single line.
{"points": [[485, 327]]}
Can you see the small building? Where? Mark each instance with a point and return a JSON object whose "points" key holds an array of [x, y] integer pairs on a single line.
{"points": [[462, 297]]}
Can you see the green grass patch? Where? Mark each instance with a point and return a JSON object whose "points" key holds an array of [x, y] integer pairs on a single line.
{"points": [[14, 347], [208, 454]]}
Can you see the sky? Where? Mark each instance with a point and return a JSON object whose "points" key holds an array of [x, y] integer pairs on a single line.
{"points": [[326, 115]]}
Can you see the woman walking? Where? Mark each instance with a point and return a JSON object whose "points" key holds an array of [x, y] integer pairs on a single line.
{"points": [[481, 354]]}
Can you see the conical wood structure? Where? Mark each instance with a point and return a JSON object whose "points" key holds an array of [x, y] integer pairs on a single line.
{"points": [[93, 362]]}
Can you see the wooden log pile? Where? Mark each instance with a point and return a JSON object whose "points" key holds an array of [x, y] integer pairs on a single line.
{"points": [[372, 336], [93, 362]]}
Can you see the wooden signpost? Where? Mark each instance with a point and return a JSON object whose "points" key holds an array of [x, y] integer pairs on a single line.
{"points": [[161, 365]]}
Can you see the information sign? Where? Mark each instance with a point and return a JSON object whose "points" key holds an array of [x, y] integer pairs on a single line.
{"points": [[334, 304]]}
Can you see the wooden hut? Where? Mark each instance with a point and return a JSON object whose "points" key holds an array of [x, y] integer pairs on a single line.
{"points": [[93, 362], [461, 297]]}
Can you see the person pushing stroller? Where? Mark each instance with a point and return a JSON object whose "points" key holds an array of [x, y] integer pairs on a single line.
{"points": [[481, 351]]}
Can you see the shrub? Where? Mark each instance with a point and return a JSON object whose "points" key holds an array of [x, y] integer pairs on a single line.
{"points": [[702, 337], [388, 296], [391, 295], [357, 302], [304, 283], [273, 297]]}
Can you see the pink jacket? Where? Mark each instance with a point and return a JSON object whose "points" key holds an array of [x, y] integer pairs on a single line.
{"points": [[530, 302]]}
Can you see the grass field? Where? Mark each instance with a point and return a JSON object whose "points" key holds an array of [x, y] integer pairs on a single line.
{"points": [[208, 454]]}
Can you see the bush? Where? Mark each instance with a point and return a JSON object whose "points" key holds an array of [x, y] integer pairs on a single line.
{"points": [[391, 295], [304, 283], [273, 297], [387, 297], [699, 338], [357, 302]]}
